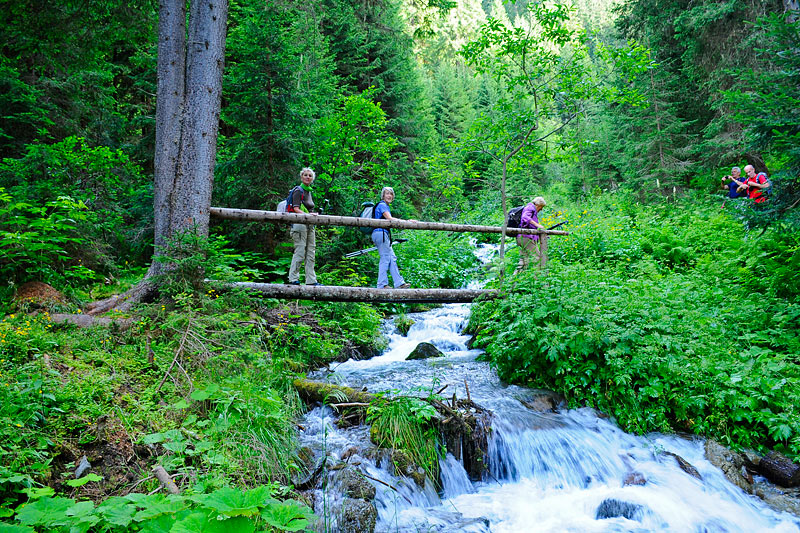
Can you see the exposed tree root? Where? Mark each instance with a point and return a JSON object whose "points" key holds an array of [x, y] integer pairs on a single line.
{"points": [[86, 321], [144, 291]]}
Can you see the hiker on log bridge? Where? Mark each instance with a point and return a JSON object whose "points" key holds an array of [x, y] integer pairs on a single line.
{"points": [[366, 294], [255, 215]]}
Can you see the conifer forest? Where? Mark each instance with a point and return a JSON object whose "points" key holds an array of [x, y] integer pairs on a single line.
{"points": [[157, 365]]}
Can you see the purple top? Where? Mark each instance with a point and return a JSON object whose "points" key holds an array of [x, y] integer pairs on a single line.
{"points": [[529, 215]]}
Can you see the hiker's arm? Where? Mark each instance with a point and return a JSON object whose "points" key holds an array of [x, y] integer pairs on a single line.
{"points": [[526, 220], [758, 185]]}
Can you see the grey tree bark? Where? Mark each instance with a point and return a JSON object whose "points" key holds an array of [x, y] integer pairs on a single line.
{"points": [[189, 96]]}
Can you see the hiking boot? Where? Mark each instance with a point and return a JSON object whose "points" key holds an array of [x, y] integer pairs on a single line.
{"points": [[314, 284], [294, 283], [385, 287], [404, 286]]}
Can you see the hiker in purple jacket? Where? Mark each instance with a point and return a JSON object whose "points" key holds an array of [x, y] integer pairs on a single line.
{"points": [[529, 244]]}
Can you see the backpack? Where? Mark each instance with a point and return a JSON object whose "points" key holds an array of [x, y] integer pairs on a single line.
{"points": [[515, 217], [367, 211], [283, 206]]}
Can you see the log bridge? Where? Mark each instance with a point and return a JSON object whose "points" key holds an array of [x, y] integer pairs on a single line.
{"points": [[367, 294]]}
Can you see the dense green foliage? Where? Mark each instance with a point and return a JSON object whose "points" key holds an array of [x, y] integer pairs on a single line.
{"points": [[668, 318], [660, 308]]}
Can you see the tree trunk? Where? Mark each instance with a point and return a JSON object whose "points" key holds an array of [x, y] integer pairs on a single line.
{"points": [[364, 294], [330, 220], [189, 96]]}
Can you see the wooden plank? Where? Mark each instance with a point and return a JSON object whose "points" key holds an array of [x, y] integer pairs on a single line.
{"points": [[330, 220], [331, 293]]}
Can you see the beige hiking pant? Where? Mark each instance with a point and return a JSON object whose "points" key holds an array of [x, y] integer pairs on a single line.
{"points": [[527, 248], [305, 248]]}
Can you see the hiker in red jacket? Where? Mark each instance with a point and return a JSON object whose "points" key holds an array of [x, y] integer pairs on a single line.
{"points": [[756, 185]]}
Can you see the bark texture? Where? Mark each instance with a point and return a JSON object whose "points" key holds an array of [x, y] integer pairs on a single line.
{"points": [[365, 294], [189, 95]]}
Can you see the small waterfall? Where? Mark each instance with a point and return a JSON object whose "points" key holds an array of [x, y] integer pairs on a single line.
{"points": [[566, 471]]}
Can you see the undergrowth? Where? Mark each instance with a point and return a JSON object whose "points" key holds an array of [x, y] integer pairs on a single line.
{"points": [[669, 319]]}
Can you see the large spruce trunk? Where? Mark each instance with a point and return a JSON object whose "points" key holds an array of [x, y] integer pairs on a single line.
{"points": [[189, 96]]}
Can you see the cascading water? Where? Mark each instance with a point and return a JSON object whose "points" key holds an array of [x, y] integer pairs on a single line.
{"points": [[570, 470]]}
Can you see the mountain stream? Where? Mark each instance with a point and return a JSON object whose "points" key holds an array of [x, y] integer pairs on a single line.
{"points": [[571, 470]]}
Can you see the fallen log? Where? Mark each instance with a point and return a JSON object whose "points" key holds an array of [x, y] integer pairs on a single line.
{"points": [[331, 220], [464, 427], [332, 293], [317, 392]]}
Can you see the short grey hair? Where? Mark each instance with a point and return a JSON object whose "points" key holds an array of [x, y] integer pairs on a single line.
{"points": [[539, 201], [313, 174], [385, 190], [736, 169]]}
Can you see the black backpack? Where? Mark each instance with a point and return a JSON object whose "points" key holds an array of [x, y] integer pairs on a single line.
{"points": [[515, 217]]}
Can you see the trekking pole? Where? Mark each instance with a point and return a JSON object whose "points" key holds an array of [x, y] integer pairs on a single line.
{"points": [[557, 225], [371, 249]]}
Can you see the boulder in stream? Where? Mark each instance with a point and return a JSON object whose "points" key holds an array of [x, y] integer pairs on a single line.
{"points": [[780, 470], [309, 469], [685, 465], [731, 463], [353, 484], [611, 508], [736, 467], [357, 516], [424, 350]]}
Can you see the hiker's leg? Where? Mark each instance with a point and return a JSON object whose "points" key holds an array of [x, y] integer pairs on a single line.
{"points": [[311, 250], [541, 251], [524, 253], [298, 234], [394, 270], [384, 250]]}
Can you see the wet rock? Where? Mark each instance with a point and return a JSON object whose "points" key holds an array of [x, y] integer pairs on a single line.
{"points": [[403, 465], [309, 469], [786, 500], [685, 465], [544, 402], [729, 462], [780, 470], [353, 484], [612, 508], [357, 516], [83, 467], [634, 478], [349, 452], [424, 350], [466, 435]]}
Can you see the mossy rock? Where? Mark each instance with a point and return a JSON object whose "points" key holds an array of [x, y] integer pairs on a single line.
{"points": [[353, 484], [424, 350], [357, 516], [403, 324]]}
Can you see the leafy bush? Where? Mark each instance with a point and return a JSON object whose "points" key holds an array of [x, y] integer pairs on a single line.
{"points": [[226, 510], [111, 189], [35, 241], [665, 318]]}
